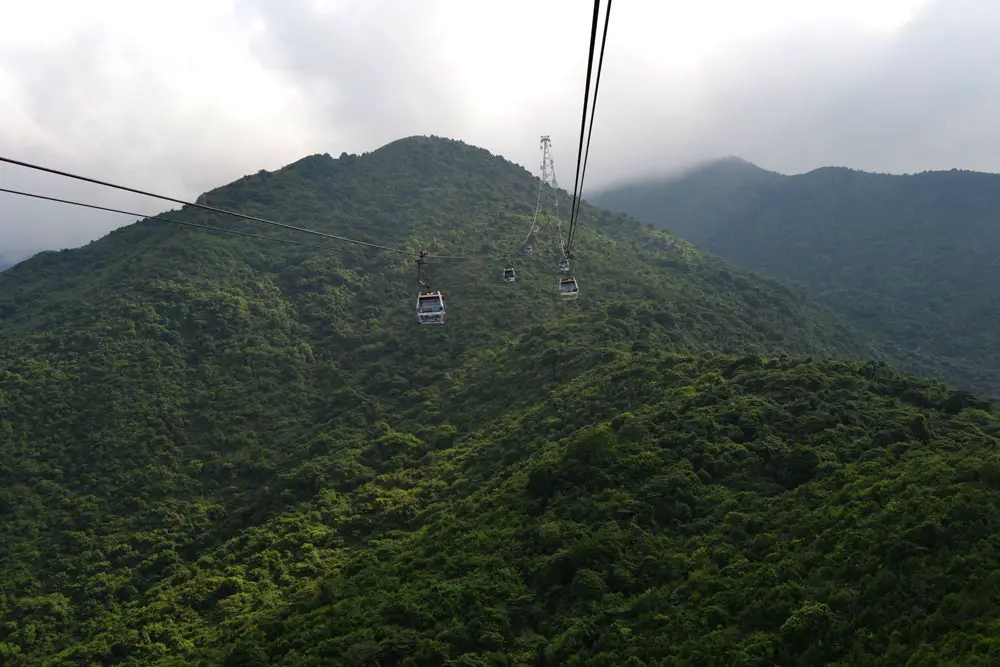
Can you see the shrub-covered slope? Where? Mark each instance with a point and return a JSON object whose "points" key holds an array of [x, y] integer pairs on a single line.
{"points": [[656, 510], [174, 402], [909, 259]]}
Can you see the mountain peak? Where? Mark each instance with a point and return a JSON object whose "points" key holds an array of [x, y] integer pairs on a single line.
{"points": [[730, 164], [734, 160]]}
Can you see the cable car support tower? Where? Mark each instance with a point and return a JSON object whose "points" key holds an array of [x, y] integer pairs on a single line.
{"points": [[548, 178], [568, 287]]}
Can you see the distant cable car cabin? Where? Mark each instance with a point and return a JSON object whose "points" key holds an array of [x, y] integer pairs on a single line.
{"points": [[527, 250], [508, 275], [430, 308], [564, 265], [568, 289]]}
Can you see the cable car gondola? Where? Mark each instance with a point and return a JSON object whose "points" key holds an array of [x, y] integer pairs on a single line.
{"points": [[527, 250], [430, 308], [430, 304], [508, 275], [568, 288], [564, 264]]}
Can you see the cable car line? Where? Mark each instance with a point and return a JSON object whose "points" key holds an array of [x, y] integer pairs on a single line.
{"points": [[509, 274], [562, 242], [531, 230], [590, 129], [583, 118], [430, 308], [549, 177], [186, 224], [232, 213]]}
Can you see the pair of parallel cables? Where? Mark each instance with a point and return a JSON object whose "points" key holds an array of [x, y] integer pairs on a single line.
{"points": [[583, 153]]}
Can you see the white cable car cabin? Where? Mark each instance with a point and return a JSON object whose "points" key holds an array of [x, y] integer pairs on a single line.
{"points": [[430, 308], [508, 275], [568, 288], [527, 250], [564, 265]]}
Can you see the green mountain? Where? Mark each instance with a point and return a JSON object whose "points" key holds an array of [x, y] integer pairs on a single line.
{"points": [[223, 450], [908, 259]]}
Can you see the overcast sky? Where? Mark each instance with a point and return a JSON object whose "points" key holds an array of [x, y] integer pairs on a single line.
{"points": [[180, 97]]}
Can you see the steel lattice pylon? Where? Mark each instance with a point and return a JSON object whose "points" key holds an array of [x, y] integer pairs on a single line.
{"points": [[548, 177], [549, 170]]}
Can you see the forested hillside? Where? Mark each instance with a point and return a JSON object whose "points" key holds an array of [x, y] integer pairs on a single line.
{"points": [[222, 450], [910, 259]]}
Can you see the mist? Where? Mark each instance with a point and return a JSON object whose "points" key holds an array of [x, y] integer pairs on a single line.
{"points": [[182, 98]]}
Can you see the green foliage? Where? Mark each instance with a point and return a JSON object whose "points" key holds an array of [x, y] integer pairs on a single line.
{"points": [[909, 259], [216, 450]]}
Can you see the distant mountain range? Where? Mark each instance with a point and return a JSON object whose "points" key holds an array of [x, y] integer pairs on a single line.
{"points": [[912, 259]]}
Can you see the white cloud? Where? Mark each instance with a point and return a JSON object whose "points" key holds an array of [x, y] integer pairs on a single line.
{"points": [[180, 97]]}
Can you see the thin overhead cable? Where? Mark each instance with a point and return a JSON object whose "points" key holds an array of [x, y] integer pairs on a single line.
{"points": [[590, 129], [517, 246], [186, 224], [225, 212]]}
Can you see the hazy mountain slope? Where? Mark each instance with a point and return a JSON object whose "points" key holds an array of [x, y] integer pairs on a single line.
{"points": [[7, 259], [700, 200], [164, 391], [909, 258]]}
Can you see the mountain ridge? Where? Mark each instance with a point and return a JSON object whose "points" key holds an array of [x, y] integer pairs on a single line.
{"points": [[905, 257]]}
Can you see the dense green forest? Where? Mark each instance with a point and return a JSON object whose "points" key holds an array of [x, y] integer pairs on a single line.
{"points": [[217, 450], [909, 259]]}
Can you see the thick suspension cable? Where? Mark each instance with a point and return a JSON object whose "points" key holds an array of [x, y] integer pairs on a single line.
{"points": [[226, 212], [590, 129], [583, 118]]}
